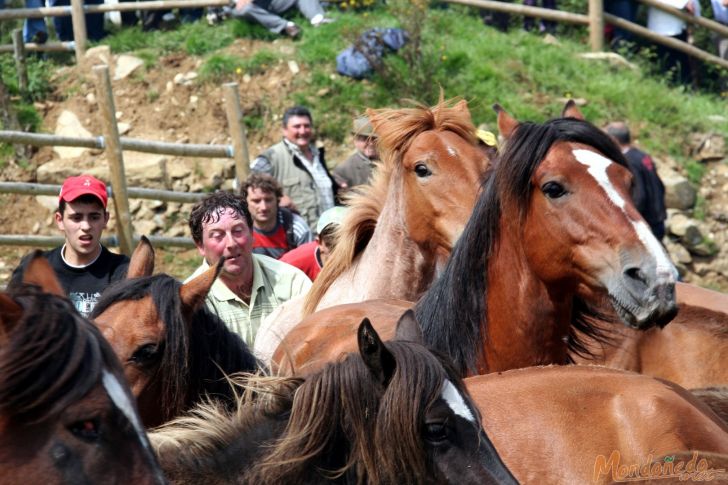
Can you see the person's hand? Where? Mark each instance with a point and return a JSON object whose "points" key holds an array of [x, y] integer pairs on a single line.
{"points": [[690, 7], [288, 203]]}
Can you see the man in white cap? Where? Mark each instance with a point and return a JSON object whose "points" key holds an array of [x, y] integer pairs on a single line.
{"points": [[311, 257], [83, 265], [357, 169]]}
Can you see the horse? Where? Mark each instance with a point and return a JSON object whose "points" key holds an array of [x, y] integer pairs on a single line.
{"points": [[173, 349], [406, 220], [554, 231], [581, 424], [691, 351], [392, 413], [66, 413]]}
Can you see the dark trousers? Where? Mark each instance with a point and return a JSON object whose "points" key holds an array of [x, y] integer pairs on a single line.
{"points": [[94, 22], [546, 25], [676, 63], [626, 9]]}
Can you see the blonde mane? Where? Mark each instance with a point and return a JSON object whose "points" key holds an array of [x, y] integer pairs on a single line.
{"points": [[397, 129]]}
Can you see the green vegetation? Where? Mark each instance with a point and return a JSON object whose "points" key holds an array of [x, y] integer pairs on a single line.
{"points": [[450, 52]]}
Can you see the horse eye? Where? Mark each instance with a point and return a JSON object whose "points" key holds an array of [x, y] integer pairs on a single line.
{"points": [[422, 171], [436, 432], [553, 190], [146, 354], [87, 429]]}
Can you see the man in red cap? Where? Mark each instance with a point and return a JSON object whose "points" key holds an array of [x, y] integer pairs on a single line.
{"points": [[83, 266]]}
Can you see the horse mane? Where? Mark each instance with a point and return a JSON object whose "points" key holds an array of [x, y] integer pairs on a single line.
{"points": [[397, 129], [197, 354], [53, 357], [335, 424], [460, 293]]}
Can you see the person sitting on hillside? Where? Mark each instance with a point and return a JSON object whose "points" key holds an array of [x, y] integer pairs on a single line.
{"points": [[310, 258], [268, 14], [276, 230], [648, 192], [357, 169]]}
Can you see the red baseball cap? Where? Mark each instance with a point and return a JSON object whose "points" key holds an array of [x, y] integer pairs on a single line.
{"points": [[75, 187]]}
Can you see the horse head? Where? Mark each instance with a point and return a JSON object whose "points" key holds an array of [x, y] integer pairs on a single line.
{"points": [[66, 413], [580, 227]]}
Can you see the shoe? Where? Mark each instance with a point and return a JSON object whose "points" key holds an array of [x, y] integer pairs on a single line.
{"points": [[292, 31], [320, 20]]}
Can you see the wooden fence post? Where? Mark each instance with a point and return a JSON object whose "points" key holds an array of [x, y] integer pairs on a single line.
{"points": [[19, 48], [115, 158], [596, 25], [237, 132], [79, 29]]}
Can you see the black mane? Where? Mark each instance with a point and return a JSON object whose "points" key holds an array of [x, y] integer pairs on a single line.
{"points": [[197, 354], [53, 357], [458, 296]]}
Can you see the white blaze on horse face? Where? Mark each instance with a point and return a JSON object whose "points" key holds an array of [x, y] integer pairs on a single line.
{"points": [[597, 166], [456, 402], [123, 403], [452, 151]]}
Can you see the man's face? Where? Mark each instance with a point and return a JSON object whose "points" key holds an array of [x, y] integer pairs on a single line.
{"points": [[298, 130], [368, 146], [263, 207], [228, 238], [82, 223]]}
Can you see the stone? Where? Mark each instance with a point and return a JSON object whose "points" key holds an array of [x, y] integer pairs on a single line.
{"points": [[49, 202], [146, 170], [612, 57], [293, 67], [678, 253], [145, 227], [707, 147], [123, 128], [101, 54], [686, 230], [679, 192], [125, 65], [68, 124]]}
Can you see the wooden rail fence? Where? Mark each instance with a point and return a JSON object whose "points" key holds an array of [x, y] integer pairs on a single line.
{"points": [[114, 146]]}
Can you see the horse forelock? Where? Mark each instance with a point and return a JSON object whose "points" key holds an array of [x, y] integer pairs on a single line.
{"points": [[460, 293], [52, 359], [396, 129]]}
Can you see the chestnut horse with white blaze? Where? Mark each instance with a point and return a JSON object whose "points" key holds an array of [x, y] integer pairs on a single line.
{"points": [[401, 228], [554, 230]]}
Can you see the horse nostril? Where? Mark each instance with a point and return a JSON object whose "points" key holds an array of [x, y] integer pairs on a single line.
{"points": [[635, 273]]}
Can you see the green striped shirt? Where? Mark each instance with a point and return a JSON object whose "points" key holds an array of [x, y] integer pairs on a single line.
{"points": [[274, 282]]}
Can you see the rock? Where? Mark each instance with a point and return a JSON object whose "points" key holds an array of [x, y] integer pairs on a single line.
{"points": [[704, 249], [146, 170], [679, 193], [101, 54], [293, 67], [146, 227], [123, 128], [685, 229], [91, 98], [612, 57], [678, 253], [707, 146], [550, 39], [125, 65], [68, 124], [577, 101], [247, 78]]}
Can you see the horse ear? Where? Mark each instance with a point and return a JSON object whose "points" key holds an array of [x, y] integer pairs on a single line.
{"points": [[377, 358], [572, 111], [10, 315], [408, 329], [461, 106], [506, 123], [193, 292], [40, 273], [142, 260]]}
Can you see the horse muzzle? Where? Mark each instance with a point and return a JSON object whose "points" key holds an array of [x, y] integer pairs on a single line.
{"points": [[644, 298]]}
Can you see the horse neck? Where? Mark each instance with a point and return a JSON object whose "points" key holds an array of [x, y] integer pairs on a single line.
{"points": [[390, 266], [526, 321]]}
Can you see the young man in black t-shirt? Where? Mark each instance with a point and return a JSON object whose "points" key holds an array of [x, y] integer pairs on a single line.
{"points": [[83, 266]]}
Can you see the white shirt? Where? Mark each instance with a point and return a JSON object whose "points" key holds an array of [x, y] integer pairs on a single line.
{"points": [[663, 23]]}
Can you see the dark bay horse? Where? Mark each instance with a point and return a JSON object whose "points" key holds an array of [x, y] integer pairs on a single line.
{"points": [[406, 220], [389, 414], [173, 349], [583, 424], [554, 230], [66, 413]]}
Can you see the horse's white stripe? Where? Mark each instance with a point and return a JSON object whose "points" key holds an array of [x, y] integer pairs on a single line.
{"points": [[597, 167], [456, 402], [121, 399]]}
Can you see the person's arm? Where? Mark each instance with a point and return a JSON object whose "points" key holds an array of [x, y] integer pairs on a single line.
{"points": [[301, 231]]}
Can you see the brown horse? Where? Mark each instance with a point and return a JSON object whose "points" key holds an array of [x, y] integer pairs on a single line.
{"points": [[392, 413], [553, 229], [175, 352], [406, 221], [578, 424], [692, 351], [66, 413]]}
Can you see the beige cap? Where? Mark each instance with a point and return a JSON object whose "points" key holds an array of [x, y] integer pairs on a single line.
{"points": [[362, 127]]}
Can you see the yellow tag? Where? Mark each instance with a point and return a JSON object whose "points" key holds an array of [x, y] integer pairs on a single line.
{"points": [[487, 137]]}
